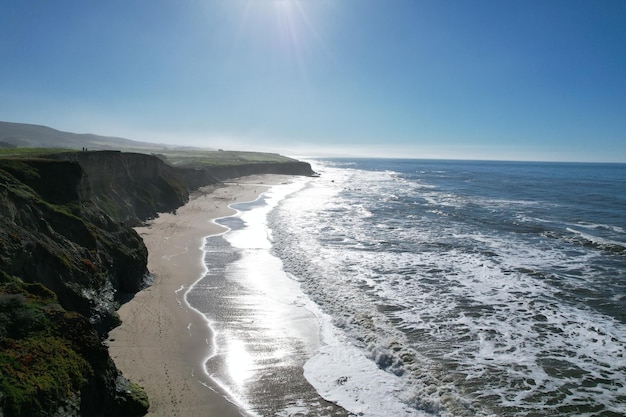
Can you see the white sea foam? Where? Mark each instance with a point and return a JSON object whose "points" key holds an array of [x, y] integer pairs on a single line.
{"points": [[600, 226], [430, 302], [595, 239], [342, 374], [264, 325], [431, 297]]}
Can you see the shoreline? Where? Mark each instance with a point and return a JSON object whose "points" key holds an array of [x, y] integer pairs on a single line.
{"points": [[163, 342]]}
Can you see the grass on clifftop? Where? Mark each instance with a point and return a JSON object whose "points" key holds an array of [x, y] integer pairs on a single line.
{"points": [[203, 158], [186, 158], [29, 152]]}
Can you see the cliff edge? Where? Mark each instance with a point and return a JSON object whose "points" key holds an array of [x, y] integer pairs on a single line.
{"points": [[68, 256], [63, 263]]}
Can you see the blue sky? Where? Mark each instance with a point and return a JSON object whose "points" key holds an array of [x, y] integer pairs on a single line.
{"points": [[516, 80]]}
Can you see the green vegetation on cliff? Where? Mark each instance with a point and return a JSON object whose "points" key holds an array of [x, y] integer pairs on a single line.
{"points": [[28, 152], [68, 256], [39, 368], [49, 357], [62, 264], [51, 234], [207, 158], [224, 165]]}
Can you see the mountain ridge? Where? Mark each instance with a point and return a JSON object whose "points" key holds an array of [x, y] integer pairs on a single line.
{"points": [[26, 135]]}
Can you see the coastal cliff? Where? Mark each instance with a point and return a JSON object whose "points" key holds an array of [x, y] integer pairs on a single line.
{"points": [[134, 187], [68, 257], [226, 172]]}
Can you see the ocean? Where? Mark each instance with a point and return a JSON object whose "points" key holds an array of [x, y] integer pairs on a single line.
{"points": [[424, 288]]}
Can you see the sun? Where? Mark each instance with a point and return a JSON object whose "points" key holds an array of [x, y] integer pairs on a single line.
{"points": [[286, 33], [284, 5], [287, 8]]}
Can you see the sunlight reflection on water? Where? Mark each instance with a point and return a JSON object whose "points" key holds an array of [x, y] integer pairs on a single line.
{"points": [[265, 327], [239, 361]]}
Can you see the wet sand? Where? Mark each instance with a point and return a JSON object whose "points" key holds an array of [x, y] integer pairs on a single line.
{"points": [[163, 343]]}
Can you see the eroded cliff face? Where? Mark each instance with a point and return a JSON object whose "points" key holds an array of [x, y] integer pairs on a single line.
{"points": [[133, 187], [63, 262], [52, 362], [226, 172], [68, 254], [65, 220], [52, 235]]}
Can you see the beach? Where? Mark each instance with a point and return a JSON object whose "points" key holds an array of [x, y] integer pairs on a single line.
{"points": [[162, 343]]}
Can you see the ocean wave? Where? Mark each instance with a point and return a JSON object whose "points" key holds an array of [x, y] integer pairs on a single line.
{"points": [[474, 305], [598, 242]]}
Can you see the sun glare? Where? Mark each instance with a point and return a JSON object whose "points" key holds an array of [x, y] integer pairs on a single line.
{"points": [[240, 361], [286, 32]]}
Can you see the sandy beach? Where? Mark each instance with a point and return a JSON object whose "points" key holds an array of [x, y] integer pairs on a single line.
{"points": [[162, 343]]}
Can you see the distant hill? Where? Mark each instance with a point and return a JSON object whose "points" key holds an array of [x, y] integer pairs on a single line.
{"points": [[16, 139], [22, 135]]}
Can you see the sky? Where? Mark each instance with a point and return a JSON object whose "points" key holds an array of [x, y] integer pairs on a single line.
{"points": [[510, 80]]}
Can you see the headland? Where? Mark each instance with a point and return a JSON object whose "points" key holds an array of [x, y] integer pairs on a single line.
{"points": [[69, 258]]}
